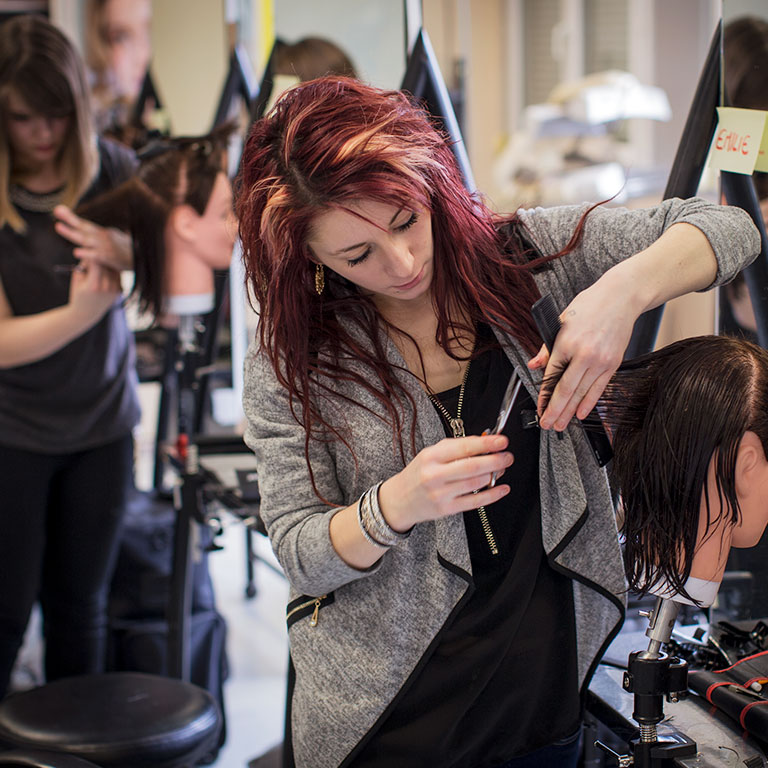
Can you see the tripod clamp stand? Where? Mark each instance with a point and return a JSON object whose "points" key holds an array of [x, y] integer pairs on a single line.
{"points": [[653, 676], [188, 501]]}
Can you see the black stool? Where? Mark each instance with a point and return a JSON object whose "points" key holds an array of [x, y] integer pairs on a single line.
{"points": [[24, 758], [119, 719]]}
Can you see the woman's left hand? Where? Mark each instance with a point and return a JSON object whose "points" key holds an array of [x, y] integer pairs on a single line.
{"points": [[596, 328], [109, 247]]}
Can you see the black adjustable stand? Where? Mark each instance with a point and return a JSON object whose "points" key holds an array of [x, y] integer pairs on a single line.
{"points": [[195, 485], [188, 501], [653, 676]]}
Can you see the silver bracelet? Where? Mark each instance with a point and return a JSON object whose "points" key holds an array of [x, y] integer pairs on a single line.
{"points": [[362, 504], [374, 519]]}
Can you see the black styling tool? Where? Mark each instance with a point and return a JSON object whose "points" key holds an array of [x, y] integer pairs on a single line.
{"points": [[547, 320]]}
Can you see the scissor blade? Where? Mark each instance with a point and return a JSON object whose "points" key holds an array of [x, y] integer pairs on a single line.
{"points": [[510, 395]]}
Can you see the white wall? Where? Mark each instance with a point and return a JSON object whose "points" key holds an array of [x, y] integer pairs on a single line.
{"points": [[190, 60]]}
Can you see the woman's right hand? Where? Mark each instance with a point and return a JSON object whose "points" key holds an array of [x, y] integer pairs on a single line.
{"points": [[93, 289], [442, 480]]}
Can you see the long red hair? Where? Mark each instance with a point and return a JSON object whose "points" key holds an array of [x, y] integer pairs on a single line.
{"points": [[331, 141]]}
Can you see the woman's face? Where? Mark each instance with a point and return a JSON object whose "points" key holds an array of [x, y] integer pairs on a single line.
{"points": [[127, 31], [384, 249], [36, 140]]}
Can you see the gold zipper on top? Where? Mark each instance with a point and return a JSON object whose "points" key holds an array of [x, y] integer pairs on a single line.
{"points": [[317, 601], [457, 427], [487, 530]]}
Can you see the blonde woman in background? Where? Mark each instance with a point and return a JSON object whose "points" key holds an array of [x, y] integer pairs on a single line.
{"points": [[68, 400]]}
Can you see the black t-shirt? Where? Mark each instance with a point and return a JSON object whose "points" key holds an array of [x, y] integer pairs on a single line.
{"points": [[84, 394], [501, 678]]}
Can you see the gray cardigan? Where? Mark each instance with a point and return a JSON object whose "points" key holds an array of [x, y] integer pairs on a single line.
{"points": [[374, 626]]}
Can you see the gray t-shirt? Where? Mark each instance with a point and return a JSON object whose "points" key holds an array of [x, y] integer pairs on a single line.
{"points": [[85, 394]]}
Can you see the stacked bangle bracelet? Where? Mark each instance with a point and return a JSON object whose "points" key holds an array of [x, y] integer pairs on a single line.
{"points": [[375, 528]]}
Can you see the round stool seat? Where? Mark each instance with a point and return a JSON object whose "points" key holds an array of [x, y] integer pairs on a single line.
{"points": [[117, 719], [38, 759]]}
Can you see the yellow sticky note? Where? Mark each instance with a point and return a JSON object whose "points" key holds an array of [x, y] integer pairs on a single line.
{"points": [[738, 139], [762, 154]]}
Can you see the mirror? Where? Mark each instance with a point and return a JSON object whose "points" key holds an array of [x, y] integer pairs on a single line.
{"points": [[745, 78], [372, 34]]}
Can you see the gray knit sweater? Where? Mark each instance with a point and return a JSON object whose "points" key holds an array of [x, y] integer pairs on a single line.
{"points": [[374, 626]]}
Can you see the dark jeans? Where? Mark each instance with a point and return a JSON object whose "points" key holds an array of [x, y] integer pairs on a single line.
{"points": [[59, 530], [562, 754]]}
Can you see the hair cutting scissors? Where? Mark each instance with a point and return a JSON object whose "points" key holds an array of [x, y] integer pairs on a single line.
{"points": [[510, 395]]}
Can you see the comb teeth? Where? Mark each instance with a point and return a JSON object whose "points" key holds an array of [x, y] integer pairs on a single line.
{"points": [[547, 319]]}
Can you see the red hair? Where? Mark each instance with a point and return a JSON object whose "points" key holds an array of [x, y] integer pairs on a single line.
{"points": [[326, 143]]}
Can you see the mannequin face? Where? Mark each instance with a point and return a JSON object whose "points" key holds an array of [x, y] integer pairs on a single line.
{"points": [[214, 231], [197, 244], [715, 541], [752, 490], [126, 28]]}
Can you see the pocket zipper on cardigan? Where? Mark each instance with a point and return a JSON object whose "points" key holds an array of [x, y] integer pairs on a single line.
{"points": [[316, 601]]}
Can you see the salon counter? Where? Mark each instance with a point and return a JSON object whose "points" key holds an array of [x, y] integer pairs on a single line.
{"points": [[720, 740]]}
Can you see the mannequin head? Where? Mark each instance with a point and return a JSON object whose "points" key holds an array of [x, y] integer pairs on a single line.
{"points": [[196, 244], [689, 427], [178, 210]]}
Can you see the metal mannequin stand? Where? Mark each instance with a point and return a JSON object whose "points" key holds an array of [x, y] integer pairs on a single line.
{"points": [[653, 676], [188, 501], [196, 486]]}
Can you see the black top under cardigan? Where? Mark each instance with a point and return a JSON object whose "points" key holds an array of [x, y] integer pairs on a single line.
{"points": [[488, 690]]}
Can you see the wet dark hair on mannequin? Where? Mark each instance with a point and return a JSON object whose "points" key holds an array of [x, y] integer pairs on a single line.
{"points": [[670, 413], [173, 171]]}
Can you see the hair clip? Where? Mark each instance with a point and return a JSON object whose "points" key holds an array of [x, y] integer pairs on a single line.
{"points": [[205, 147]]}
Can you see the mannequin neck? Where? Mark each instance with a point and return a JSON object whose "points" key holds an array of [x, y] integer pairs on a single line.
{"points": [[187, 277]]}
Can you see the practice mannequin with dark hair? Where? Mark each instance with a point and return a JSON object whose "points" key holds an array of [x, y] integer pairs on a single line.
{"points": [[689, 431], [689, 427], [177, 209], [435, 620], [68, 400]]}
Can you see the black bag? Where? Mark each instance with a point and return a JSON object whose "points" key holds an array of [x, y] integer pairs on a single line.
{"points": [[141, 582], [138, 603]]}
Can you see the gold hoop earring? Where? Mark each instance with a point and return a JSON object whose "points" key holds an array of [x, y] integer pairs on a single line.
{"points": [[319, 278]]}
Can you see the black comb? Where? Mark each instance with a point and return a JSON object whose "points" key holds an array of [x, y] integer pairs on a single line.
{"points": [[547, 320]]}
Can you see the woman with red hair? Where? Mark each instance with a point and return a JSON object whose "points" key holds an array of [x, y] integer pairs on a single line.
{"points": [[436, 618]]}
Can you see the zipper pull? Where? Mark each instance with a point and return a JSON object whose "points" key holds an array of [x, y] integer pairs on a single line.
{"points": [[315, 614]]}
